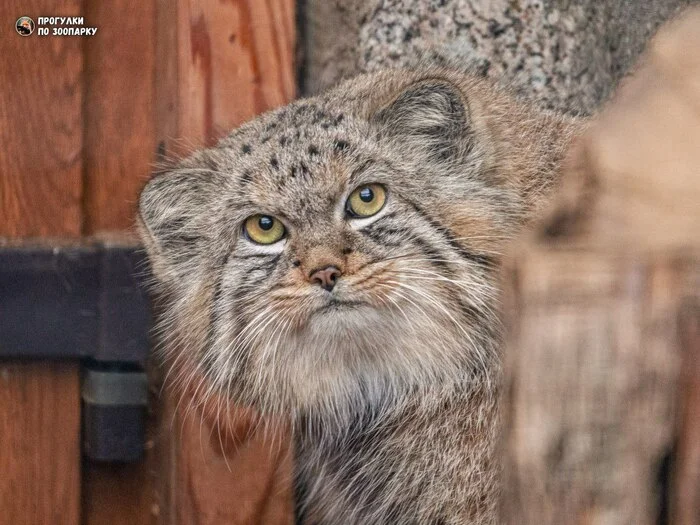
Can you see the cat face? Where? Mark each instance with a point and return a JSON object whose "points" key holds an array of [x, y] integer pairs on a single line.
{"points": [[339, 248]]}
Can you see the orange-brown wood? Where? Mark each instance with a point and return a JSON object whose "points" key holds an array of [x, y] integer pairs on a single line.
{"points": [[235, 60], [119, 98], [79, 120], [40, 452], [40, 195], [40, 126], [119, 152], [224, 471], [119, 494]]}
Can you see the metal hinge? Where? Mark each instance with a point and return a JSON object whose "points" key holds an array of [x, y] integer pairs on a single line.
{"points": [[84, 302]]}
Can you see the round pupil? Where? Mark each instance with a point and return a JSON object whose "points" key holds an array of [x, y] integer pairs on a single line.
{"points": [[265, 223], [366, 195]]}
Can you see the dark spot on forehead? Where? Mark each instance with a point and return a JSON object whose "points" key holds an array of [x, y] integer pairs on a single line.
{"points": [[313, 150], [271, 126], [274, 162], [319, 116], [341, 145], [246, 149], [246, 177], [284, 140], [293, 172], [265, 139]]}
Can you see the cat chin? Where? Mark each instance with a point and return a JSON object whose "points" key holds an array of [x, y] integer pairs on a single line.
{"points": [[342, 316], [346, 357]]}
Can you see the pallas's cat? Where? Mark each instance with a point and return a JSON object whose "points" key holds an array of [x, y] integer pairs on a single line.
{"points": [[335, 261]]}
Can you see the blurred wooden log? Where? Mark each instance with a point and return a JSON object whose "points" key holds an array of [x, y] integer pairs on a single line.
{"points": [[602, 305]]}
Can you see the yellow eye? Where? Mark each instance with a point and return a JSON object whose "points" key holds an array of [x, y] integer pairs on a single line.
{"points": [[366, 200], [263, 229]]}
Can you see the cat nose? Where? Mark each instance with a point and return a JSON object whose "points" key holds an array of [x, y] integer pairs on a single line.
{"points": [[326, 277]]}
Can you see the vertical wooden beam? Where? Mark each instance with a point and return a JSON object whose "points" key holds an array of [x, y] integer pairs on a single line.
{"points": [[40, 435], [40, 127], [119, 100], [40, 195], [124, 494], [235, 59], [119, 152]]}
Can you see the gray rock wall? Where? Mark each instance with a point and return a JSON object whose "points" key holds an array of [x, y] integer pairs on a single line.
{"points": [[566, 54]]}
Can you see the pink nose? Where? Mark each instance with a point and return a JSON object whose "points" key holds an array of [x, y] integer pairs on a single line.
{"points": [[326, 277]]}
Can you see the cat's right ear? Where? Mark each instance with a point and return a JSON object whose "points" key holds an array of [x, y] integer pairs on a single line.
{"points": [[175, 221], [429, 117]]}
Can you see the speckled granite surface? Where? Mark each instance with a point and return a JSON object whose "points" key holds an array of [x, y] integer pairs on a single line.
{"points": [[566, 54]]}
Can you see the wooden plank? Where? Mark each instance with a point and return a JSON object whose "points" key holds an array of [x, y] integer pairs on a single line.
{"points": [[40, 127], [166, 83], [235, 59], [40, 436], [119, 99], [119, 154], [125, 494], [40, 195], [225, 472], [119, 494]]}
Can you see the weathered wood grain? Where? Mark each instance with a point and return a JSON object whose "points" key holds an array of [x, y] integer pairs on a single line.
{"points": [[235, 60], [40, 436], [40, 195], [40, 127], [119, 125], [119, 152], [601, 368]]}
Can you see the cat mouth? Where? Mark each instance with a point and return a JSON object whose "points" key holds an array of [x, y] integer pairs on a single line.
{"points": [[337, 305]]}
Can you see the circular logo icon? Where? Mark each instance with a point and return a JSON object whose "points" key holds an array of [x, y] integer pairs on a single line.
{"points": [[24, 25]]}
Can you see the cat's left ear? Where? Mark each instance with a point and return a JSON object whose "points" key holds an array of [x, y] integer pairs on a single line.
{"points": [[430, 117]]}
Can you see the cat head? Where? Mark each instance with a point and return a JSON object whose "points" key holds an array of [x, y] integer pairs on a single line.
{"points": [[342, 247]]}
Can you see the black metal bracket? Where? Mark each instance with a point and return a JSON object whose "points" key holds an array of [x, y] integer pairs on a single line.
{"points": [[87, 302]]}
